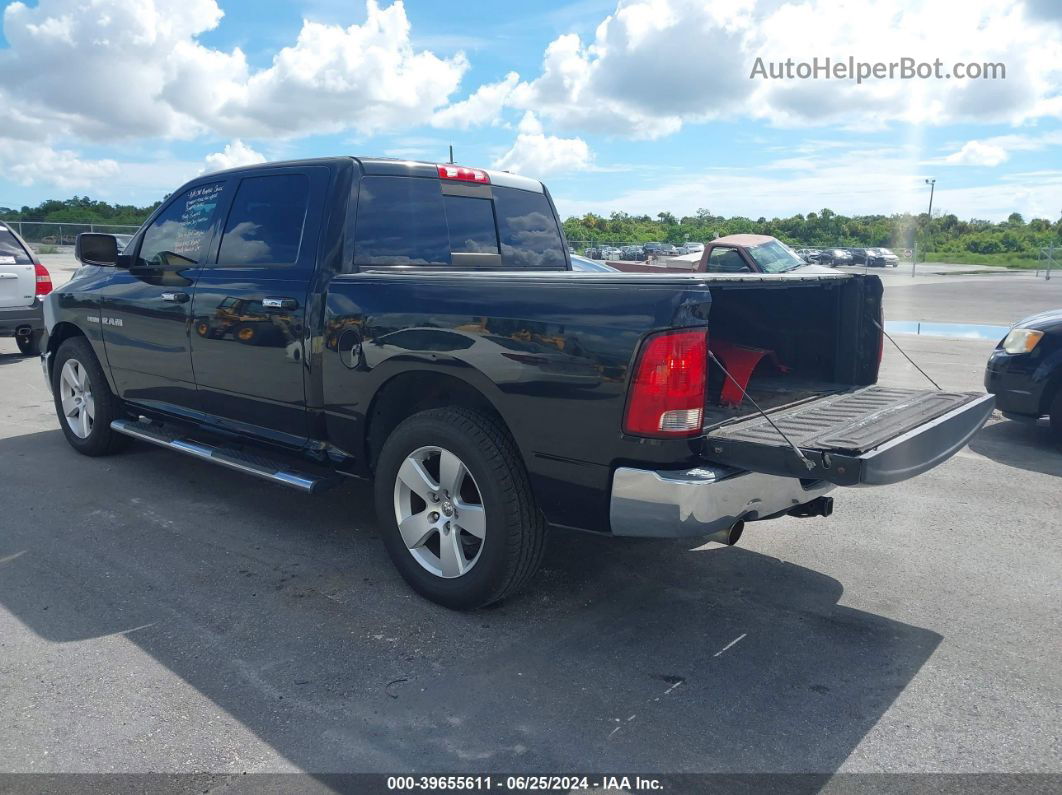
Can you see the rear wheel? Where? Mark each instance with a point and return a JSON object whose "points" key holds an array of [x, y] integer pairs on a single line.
{"points": [[83, 400], [29, 344], [455, 505]]}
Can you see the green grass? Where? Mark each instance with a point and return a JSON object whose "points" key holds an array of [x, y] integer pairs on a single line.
{"points": [[47, 248], [1021, 260]]}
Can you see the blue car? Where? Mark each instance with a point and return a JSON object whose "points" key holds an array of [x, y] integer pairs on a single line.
{"points": [[584, 264]]}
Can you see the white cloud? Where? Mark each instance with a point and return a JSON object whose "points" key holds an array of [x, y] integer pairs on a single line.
{"points": [[28, 163], [654, 65], [135, 68], [483, 107], [536, 154], [977, 153], [236, 153]]}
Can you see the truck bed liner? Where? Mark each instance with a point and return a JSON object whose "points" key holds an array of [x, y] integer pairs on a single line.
{"points": [[852, 422]]}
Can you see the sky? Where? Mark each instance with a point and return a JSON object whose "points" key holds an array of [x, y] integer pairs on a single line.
{"points": [[640, 106]]}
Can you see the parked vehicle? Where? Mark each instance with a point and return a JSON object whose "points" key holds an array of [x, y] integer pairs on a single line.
{"points": [[813, 256], [836, 256], [691, 247], [731, 254], [632, 254], [859, 256], [881, 258], [611, 252], [24, 282], [1024, 372], [427, 331], [584, 264]]}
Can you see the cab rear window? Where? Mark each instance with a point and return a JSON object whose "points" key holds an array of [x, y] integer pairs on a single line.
{"points": [[410, 221]]}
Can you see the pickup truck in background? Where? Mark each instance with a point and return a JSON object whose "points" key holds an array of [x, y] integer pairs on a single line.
{"points": [[744, 253], [420, 325]]}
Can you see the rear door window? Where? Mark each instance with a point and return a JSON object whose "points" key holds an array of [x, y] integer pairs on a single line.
{"points": [[177, 236], [11, 251], [265, 224]]}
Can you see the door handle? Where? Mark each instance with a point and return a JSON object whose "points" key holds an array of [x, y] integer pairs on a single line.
{"points": [[280, 303], [175, 298]]}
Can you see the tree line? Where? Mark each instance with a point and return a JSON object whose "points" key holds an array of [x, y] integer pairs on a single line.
{"points": [[80, 210], [947, 235]]}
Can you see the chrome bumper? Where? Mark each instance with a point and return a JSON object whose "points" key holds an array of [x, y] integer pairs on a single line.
{"points": [[700, 501]]}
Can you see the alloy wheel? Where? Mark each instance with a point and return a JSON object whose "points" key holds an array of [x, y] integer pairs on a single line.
{"points": [[440, 513], [75, 392]]}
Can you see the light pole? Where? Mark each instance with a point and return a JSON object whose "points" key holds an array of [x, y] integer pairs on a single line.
{"points": [[931, 182]]}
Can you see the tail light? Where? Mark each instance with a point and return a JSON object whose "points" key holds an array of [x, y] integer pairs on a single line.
{"points": [[667, 392], [464, 174], [44, 280]]}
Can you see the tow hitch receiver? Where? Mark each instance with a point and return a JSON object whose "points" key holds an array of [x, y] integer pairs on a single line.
{"points": [[820, 506]]}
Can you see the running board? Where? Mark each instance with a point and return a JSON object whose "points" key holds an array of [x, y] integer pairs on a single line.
{"points": [[232, 459]]}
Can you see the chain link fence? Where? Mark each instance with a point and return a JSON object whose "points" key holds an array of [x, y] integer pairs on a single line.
{"points": [[49, 233]]}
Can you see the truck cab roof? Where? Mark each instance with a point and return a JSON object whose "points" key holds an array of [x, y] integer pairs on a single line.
{"points": [[390, 166]]}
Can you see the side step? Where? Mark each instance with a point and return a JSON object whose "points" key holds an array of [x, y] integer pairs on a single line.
{"points": [[238, 460]]}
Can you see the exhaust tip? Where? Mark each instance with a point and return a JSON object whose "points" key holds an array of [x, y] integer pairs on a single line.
{"points": [[728, 536]]}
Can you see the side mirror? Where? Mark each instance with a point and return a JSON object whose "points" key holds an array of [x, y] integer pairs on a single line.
{"points": [[95, 248]]}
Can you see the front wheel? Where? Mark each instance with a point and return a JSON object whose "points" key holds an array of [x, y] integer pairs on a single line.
{"points": [[456, 510], [83, 400]]}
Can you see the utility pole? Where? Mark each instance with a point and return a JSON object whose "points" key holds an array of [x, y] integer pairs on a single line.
{"points": [[932, 183], [452, 159]]}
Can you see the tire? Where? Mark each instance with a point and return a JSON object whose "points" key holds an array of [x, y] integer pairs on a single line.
{"points": [[511, 531], [1055, 414], [246, 333], [76, 362], [30, 345]]}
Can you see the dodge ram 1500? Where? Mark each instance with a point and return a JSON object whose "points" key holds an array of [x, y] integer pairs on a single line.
{"points": [[420, 325]]}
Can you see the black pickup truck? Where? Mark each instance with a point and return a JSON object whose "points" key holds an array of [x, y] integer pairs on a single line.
{"points": [[420, 324]]}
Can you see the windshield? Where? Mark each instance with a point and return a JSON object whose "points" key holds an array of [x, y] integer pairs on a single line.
{"points": [[775, 257]]}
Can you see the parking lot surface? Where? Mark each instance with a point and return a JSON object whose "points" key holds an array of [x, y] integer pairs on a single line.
{"points": [[160, 614]]}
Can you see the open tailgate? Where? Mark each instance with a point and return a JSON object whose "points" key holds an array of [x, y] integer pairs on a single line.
{"points": [[871, 436]]}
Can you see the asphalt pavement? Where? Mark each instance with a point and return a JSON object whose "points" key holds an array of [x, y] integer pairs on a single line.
{"points": [[160, 614]]}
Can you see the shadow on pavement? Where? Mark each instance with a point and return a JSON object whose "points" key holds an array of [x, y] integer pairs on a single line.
{"points": [[1023, 445], [284, 611], [12, 358]]}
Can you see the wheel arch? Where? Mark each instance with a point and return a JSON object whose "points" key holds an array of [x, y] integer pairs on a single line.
{"points": [[64, 330], [1051, 389], [412, 391]]}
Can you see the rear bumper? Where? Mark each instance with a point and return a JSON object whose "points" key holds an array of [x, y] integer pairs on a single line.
{"points": [[12, 319], [696, 502]]}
